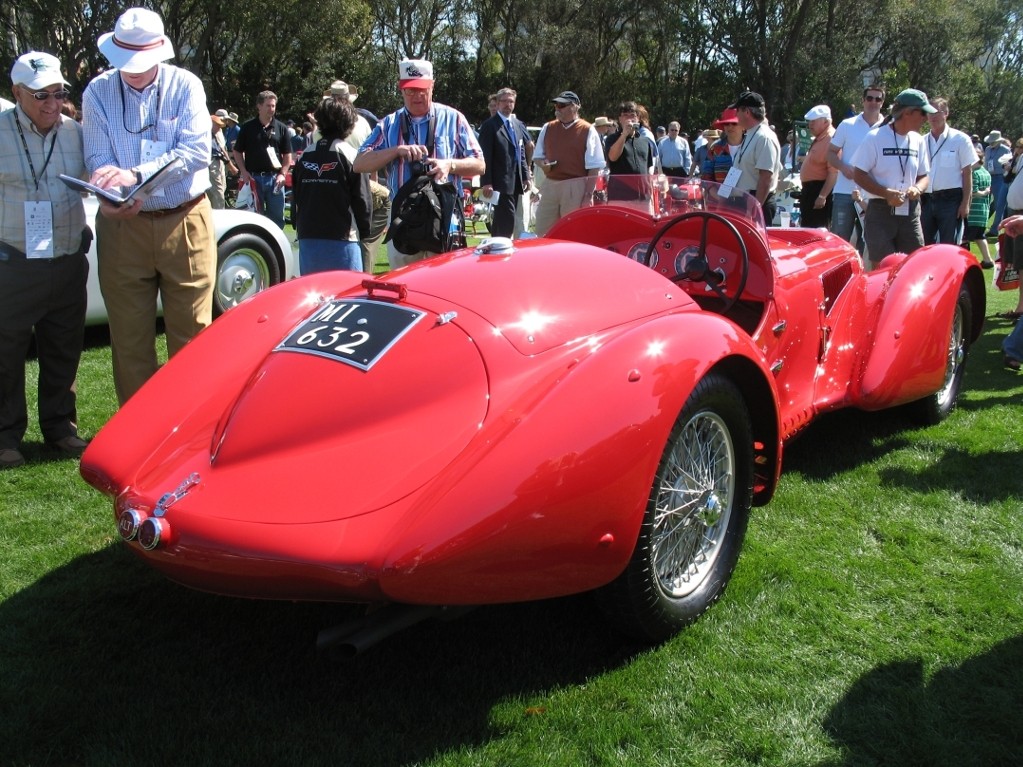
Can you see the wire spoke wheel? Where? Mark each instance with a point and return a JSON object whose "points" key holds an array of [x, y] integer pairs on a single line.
{"points": [[695, 520], [693, 505]]}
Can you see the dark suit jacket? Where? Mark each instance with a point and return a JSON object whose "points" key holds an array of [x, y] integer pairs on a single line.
{"points": [[500, 156]]}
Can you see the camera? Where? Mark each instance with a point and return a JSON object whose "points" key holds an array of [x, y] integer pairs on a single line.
{"points": [[635, 127], [420, 168]]}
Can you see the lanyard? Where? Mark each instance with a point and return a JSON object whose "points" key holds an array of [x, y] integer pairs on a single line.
{"points": [[124, 109], [28, 154], [938, 149], [898, 153], [745, 143]]}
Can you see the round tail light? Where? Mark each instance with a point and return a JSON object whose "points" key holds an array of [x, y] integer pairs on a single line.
{"points": [[152, 532], [129, 522]]}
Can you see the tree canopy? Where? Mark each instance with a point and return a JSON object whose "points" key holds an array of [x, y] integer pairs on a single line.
{"points": [[685, 60]]}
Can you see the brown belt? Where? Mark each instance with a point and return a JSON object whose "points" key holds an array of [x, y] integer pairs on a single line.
{"points": [[182, 208]]}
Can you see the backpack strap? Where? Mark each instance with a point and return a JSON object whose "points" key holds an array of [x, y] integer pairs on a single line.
{"points": [[406, 130]]}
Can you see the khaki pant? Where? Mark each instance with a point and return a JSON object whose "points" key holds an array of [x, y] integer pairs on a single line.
{"points": [[218, 184], [172, 256], [559, 198]]}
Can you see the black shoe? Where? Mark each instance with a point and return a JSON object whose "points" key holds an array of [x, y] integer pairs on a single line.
{"points": [[1010, 363], [987, 264], [71, 445], [10, 458]]}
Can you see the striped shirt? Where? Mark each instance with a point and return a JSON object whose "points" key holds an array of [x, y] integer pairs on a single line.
{"points": [[453, 140], [171, 109], [19, 187]]}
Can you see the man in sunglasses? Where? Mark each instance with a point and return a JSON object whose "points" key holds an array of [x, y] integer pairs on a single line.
{"points": [[43, 264], [844, 144]]}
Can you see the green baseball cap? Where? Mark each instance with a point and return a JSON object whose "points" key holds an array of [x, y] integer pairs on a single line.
{"points": [[911, 97]]}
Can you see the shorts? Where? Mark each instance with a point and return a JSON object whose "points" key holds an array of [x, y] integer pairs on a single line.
{"points": [[974, 233]]}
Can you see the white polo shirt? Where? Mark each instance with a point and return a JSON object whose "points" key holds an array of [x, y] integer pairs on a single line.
{"points": [[948, 154], [848, 136]]}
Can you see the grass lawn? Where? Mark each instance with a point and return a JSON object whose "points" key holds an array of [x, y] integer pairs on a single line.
{"points": [[875, 618]]}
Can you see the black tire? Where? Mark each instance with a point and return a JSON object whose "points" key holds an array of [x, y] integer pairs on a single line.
{"points": [[246, 264], [695, 521], [935, 408]]}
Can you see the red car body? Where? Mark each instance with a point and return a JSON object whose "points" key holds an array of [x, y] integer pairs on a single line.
{"points": [[520, 431]]}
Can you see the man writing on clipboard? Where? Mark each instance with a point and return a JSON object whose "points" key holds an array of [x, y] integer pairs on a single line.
{"points": [[137, 118]]}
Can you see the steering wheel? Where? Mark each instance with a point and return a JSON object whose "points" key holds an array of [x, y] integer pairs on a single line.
{"points": [[698, 269]]}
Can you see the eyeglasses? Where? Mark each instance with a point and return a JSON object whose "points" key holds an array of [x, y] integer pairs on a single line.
{"points": [[878, 99], [44, 95], [560, 106]]}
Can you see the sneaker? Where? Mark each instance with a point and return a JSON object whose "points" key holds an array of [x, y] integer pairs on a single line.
{"points": [[9, 458], [72, 445]]}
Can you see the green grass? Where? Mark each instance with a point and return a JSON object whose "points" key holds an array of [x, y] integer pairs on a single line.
{"points": [[875, 618]]}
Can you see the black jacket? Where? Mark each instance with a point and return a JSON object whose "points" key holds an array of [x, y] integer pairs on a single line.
{"points": [[327, 194], [502, 171]]}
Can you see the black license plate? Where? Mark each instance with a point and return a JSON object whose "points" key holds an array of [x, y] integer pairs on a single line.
{"points": [[356, 332]]}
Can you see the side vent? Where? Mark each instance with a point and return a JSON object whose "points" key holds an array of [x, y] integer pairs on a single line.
{"points": [[834, 282]]}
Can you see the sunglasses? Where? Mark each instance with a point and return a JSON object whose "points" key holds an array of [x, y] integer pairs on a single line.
{"points": [[874, 98], [44, 95]]}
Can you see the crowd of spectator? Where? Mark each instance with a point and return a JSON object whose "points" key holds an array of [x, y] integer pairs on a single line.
{"points": [[887, 181]]}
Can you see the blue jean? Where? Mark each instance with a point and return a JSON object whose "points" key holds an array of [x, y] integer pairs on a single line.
{"points": [[1013, 343], [939, 218], [328, 255], [272, 200], [844, 219]]}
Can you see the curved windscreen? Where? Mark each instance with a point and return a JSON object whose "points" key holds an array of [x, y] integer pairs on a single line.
{"points": [[660, 196]]}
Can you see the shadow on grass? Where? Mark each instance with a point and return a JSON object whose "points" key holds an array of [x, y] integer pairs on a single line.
{"points": [[818, 455], [968, 715], [105, 662]]}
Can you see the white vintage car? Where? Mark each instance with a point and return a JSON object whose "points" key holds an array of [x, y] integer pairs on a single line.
{"points": [[252, 254]]}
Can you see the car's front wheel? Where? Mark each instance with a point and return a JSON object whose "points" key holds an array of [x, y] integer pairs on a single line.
{"points": [[246, 264], [695, 521]]}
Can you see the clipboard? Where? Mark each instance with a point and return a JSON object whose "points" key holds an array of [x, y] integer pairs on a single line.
{"points": [[172, 171]]}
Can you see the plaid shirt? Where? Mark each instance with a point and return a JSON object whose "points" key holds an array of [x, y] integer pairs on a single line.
{"points": [[172, 109], [19, 187]]}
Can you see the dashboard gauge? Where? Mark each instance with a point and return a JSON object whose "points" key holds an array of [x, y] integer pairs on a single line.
{"points": [[638, 253]]}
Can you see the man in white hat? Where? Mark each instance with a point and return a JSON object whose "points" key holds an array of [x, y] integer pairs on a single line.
{"points": [[138, 117], [816, 177], [43, 265], [400, 141]]}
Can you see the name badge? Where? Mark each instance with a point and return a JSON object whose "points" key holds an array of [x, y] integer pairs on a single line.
{"points": [[734, 174], [38, 229], [152, 150]]}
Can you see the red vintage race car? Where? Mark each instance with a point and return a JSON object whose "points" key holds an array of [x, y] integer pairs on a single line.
{"points": [[597, 410]]}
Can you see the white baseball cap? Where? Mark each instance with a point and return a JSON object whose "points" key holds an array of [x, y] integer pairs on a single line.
{"points": [[415, 73], [819, 111], [37, 70]]}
